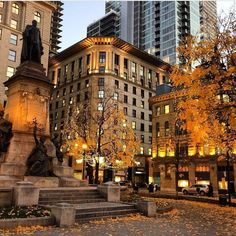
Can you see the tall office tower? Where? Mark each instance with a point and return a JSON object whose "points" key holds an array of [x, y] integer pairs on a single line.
{"points": [[158, 26], [14, 16], [56, 27]]}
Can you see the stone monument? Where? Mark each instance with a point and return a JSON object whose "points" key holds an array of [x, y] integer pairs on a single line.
{"points": [[28, 97]]}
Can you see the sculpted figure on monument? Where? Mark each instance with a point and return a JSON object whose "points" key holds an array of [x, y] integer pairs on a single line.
{"points": [[5, 132], [57, 144], [32, 48], [39, 163]]}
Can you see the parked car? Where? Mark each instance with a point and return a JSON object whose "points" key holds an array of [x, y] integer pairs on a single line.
{"points": [[201, 189]]}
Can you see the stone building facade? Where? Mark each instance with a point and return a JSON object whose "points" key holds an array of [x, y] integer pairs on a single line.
{"points": [[83, 71], [196, 164], [14, 16]]}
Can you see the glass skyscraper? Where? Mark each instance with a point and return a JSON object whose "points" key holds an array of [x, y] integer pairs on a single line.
{"points": [[158, 26]]}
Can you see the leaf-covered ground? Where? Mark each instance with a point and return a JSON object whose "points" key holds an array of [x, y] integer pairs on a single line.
{"points": [[188, 218]]}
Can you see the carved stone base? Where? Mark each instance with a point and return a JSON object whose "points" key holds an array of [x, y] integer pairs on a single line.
{"points": [[72, 182], [63, 171], [43, 182], [13, 169], [8, 181]]}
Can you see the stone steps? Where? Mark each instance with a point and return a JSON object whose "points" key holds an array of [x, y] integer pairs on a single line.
{"points": [[70, 195], [80, 201], [104, 211]]}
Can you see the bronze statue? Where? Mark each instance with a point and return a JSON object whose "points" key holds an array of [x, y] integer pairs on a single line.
{"points": [[57, 144], [39, 163], [32, 48], [5, 133]]}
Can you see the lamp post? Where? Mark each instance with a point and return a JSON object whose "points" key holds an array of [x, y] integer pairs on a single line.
{"points": [[84, 147]]}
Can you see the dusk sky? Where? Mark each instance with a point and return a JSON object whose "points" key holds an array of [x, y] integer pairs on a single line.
{"points": [[79, 14]]}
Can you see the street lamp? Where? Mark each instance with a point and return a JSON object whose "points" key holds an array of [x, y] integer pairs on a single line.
{"points": [[84, 147]]}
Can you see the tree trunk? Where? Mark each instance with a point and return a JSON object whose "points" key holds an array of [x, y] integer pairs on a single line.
{"points": [[96, 172]]}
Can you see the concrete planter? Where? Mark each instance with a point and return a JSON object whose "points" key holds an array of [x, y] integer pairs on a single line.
{"points": [[13, 223]]}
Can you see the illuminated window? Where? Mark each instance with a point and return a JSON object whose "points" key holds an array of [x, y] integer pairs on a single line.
{"points": [[100, 106], [133, 125], [149, 151], [158, 111], [158, 129], [141, 70], [14, 24], [102, 57], [116, 95], [133, 68], [101, 94], [141, 150], [55, 126], [167, 109], [142, 138], [13, 39], [63, 102], [10, 71], [15, 8], [0, 18], [37, 16], [71, 100], [1, 4], [12, 55]]}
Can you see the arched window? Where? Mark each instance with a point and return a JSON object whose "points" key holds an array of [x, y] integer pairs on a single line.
{"points": [[15, 8], [37, 16]]}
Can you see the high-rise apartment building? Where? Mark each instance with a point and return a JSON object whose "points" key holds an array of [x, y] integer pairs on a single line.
{"points": [[14, 16], [158, 26], [86, 70], [107, 25], [56, 27]]}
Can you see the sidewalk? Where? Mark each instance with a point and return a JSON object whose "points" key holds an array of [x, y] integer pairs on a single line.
{"points": [[159, 194]]}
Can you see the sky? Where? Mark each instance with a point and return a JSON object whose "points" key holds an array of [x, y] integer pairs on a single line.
{"points": [[79, 14]]}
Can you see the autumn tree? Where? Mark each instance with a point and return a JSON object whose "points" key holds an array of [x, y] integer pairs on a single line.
{"points": [[207, 72], [105, 130]]}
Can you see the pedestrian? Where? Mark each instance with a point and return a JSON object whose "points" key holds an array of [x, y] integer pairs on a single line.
{"points": [[151, 188], [210, 190]]}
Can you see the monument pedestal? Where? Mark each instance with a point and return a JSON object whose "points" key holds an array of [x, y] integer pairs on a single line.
{"points": [[28, 98], [28, 95]]}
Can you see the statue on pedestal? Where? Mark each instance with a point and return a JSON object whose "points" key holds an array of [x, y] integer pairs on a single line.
{"points": [[57, 144], [32, 48], [5, 133], [39, 163]]}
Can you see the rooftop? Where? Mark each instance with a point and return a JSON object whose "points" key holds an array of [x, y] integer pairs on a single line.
{"points": [[108, 40]]}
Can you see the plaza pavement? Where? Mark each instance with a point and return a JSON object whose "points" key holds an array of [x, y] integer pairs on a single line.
{"points": [[187, 218]]}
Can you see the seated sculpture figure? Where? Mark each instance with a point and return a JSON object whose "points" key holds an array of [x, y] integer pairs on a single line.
{"points": [[5, 133], [39, 163]]}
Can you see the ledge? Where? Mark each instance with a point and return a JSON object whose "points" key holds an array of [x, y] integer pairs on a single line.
{"points": [[13, 223]]}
